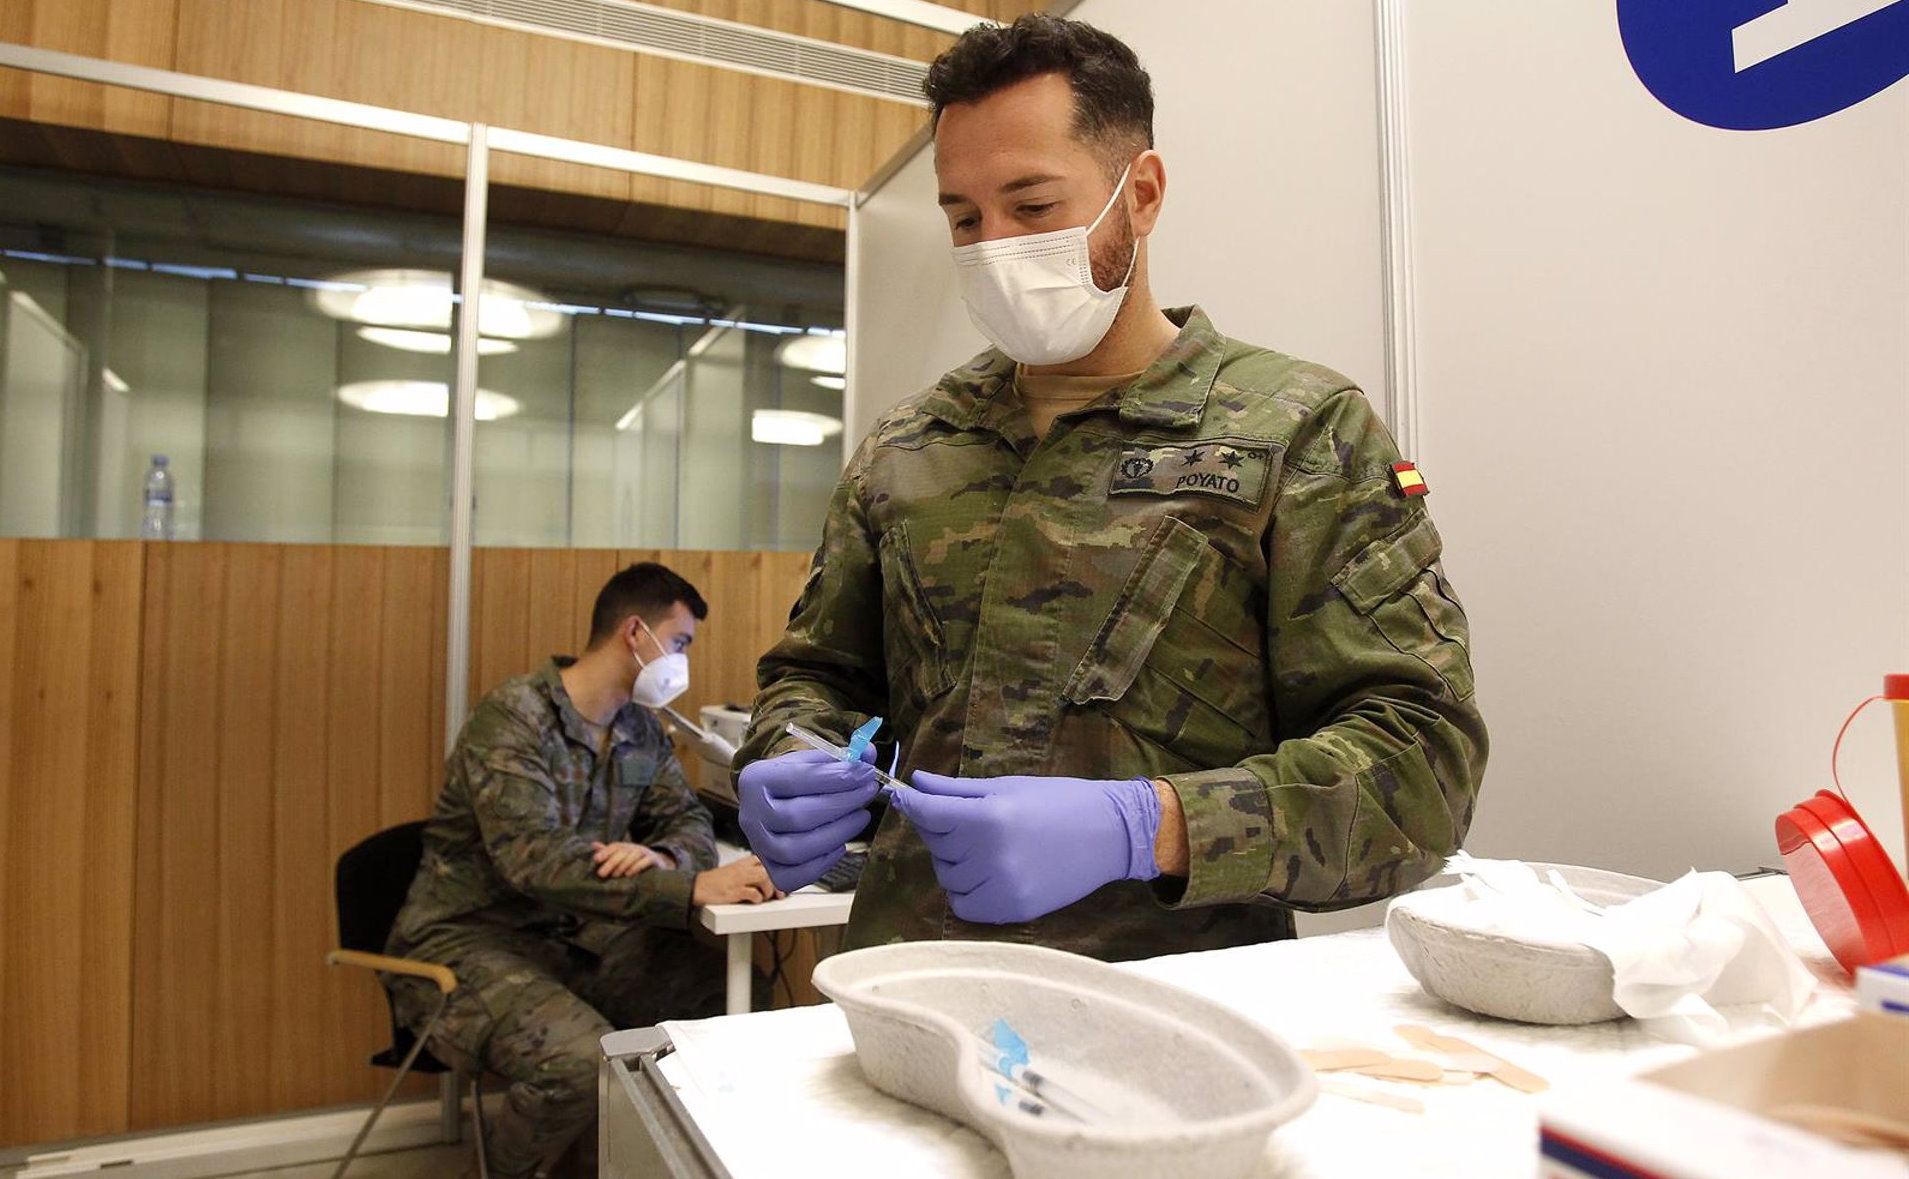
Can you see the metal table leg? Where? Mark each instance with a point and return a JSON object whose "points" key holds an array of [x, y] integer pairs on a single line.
{"points": [[740, 947]]}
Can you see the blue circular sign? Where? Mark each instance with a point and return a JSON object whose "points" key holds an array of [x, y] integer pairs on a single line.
{"points": [[1752, 65]]}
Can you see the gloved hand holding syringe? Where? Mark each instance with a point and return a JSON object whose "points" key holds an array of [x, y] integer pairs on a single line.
{"points": [[799, 809]]}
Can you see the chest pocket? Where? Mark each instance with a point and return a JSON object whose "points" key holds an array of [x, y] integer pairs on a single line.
{"points": [[913, 643], [631, 775], [637, 768], [1160, 665]]}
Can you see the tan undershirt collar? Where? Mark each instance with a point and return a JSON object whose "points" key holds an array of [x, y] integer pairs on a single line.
{"points": [[1047, 396]]}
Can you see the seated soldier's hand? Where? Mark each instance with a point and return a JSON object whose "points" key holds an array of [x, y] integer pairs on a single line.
{"points": [[745, 881], [800, 810], [626, 859]]}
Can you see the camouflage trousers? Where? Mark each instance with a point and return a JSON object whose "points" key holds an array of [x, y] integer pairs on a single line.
{"points": [[533, 1009]]}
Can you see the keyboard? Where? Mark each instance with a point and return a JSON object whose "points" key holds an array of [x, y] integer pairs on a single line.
{"points": [[843, 873]]}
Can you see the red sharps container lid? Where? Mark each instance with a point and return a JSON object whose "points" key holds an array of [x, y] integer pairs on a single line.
{"points": [[1853, 894]]}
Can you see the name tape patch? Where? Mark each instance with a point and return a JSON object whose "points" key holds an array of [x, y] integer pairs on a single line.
{"points": [[1229, 470]]}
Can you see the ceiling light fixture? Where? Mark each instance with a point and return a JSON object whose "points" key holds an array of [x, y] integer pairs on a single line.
{"points": [[422, 300], [792, 427], [438, 343], [421, 399], [815, 353]]}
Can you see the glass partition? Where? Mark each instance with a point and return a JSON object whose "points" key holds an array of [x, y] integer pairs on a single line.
{"points": [[292, 360], [222, 332], [653, 395]]}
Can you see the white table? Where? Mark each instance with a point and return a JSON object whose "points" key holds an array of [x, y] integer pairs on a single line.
{"points": [[738, 924], [778, 1095]]}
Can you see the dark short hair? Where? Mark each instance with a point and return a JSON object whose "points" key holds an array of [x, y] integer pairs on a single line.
{"points": [[1113, 96], [645, 589]]}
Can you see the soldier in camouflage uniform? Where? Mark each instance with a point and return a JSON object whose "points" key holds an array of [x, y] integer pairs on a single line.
{"points": [[1168, 601], [560, 869]]}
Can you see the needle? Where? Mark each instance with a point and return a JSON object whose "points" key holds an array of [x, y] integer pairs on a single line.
{"points": [[825, 745]]}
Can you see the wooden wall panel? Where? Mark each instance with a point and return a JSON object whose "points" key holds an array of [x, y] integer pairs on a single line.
{"points": [[13, 1065], [70, 637], [336, 49], [247, 878], [350, 1006], [301, 773], [500, 617], [749, 599], [289, 709], [410, 664], [139, 32], [825, 22], [176, 942], [553, 628], [442, 66], [557, 87], [845, 26]]}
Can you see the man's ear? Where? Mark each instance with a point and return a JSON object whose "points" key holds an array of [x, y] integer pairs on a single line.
{"points": [[1149, 187]]}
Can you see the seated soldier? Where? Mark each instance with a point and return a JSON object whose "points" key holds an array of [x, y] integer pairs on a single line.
{"points": [[560, 870]]}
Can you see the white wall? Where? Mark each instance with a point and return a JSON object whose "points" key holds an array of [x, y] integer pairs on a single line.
{"points": [[906, 322], [1663, 385], [1665, 400], [1265, 112]]}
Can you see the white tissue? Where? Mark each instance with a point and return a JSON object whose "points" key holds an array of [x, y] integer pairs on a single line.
{"points": [[1693, 961]]}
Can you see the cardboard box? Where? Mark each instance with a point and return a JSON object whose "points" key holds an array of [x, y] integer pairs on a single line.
{"points": [[1704, 1118], [1884, 987]]}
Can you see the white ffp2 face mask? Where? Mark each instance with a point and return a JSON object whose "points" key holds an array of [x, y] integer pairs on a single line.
{"points": [[662, 679], [1034, 296]]}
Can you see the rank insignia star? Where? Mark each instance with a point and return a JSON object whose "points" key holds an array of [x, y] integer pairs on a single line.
{"points": [[1231, 459], [1410, 482], [1194, 456]]}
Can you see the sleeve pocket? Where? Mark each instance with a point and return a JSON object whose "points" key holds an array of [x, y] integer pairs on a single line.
{"points": [[1386, 566], [1395, 582]]}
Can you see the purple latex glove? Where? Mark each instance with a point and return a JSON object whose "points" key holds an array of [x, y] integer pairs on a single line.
{"points": [[1016, 848], [798, 811]]}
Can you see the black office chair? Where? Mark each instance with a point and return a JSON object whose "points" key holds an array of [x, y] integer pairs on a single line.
{"points": [[372, 880]]}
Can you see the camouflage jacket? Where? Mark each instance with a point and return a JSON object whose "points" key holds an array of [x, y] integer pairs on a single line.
{"points": [[1209, 576], [525, 793]]}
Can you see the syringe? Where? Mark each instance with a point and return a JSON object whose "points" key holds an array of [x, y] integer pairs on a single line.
{"points": [[888, 780]]}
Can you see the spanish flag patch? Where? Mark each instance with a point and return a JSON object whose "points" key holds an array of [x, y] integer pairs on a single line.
{"points": [[1409, 480]]}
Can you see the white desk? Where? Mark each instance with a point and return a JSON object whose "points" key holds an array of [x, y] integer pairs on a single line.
{"points": [[803, 909], [778, 1095]]}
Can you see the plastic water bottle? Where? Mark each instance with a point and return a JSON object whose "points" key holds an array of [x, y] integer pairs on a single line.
{"points": [[156, 524]]}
